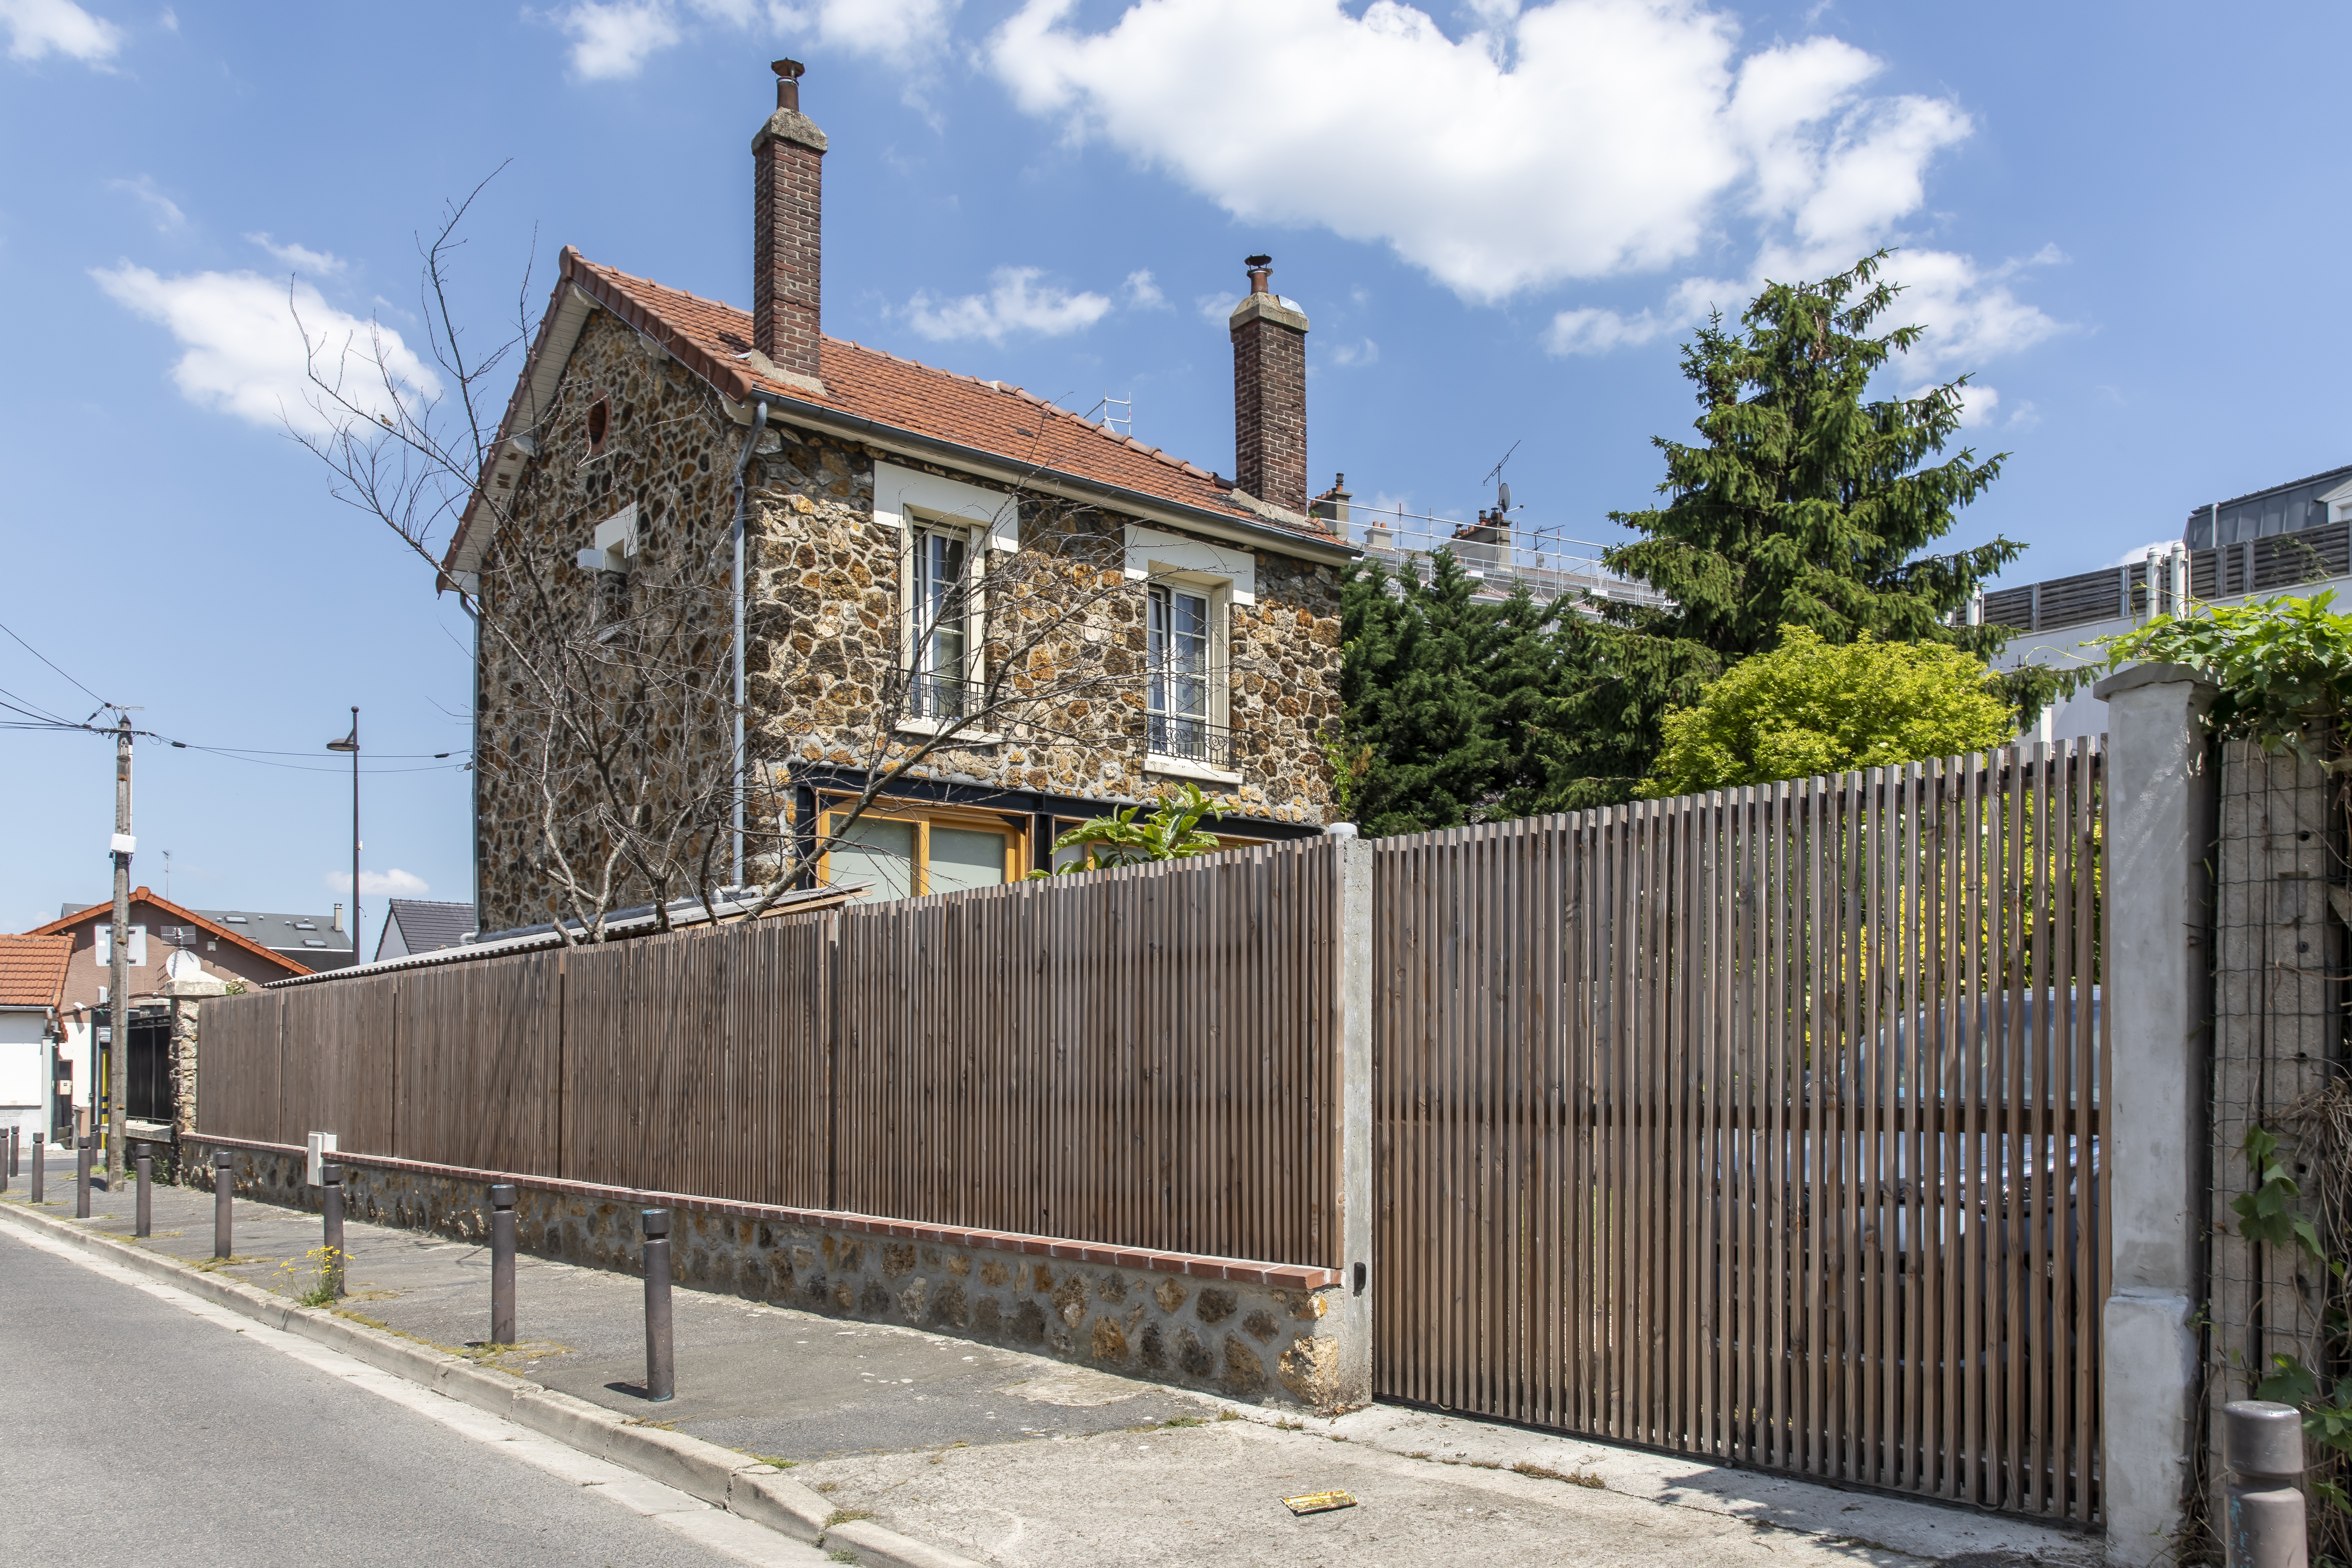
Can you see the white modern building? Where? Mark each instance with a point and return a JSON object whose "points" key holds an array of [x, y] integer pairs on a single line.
{"points": [[2292, 539]]}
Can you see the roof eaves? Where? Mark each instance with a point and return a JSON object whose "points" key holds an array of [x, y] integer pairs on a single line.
{"points": [[1236, 525]]}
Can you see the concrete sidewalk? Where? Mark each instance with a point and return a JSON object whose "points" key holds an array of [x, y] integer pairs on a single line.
{"points": [[1015, 1459]]}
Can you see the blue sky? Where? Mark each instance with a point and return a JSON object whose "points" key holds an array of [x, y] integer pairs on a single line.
{"points": [[2126, 222]]}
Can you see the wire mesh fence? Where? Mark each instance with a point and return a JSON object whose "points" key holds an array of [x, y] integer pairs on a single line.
{"points": [[2275, 1324]]}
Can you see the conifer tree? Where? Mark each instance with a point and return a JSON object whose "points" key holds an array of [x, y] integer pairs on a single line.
{"points": [[1805, 503]]}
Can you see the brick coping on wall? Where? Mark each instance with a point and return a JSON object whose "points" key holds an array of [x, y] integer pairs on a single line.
{"points": [[1280, 1276]]}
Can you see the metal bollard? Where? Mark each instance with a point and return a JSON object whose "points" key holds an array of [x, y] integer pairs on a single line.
{"points": [[81, 1178], [16, 1150], [223, 1193], [2262, 1443], [143, 1223], [38, 1154], [661, 1369], [330, 1211], [502, 1263]]}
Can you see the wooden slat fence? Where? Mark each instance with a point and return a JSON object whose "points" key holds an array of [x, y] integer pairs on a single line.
{"points": [[1146, 1054], [1139, 1057], [1760, 1125]]}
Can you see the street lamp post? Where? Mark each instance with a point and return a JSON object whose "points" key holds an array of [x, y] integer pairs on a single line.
{"points": [[351, 743]]}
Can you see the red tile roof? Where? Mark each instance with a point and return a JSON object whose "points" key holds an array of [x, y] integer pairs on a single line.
{"points": [[1003, 421], [147, 895], [33, 970]]}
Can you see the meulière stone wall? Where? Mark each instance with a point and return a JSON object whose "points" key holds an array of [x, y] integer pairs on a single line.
{"points": [[1245, 1340], [661, 688], [824, 628]]}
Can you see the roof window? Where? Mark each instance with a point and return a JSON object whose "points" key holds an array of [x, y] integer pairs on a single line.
{"points": [[233, 919], [306, 925]]}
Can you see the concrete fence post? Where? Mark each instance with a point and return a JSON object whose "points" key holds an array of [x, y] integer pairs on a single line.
{"points": [[1353, 1099], [2156, 988]]}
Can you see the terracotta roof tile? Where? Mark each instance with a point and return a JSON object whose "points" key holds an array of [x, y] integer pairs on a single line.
{"points": [[33, 970], [1005, 421], [65, 923]]}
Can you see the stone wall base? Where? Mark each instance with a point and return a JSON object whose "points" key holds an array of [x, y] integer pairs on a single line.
{"points": [[1261, 1333]]}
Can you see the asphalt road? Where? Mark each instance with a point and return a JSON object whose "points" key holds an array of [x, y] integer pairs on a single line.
{"points": [[137, 1432]]}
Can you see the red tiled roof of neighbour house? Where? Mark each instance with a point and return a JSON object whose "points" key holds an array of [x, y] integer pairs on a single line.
{"points": [[33, 970], [869, 383], [65, 923]]}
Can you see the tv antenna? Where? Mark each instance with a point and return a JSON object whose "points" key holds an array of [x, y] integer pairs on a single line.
{"points": [[1502, 486]]}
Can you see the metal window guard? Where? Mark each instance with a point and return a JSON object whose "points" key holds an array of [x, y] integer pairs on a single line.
{"points": [[1188, 739], [941, 696]]}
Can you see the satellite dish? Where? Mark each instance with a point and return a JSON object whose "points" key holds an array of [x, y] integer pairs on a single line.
{"points": [[182, 965], [1503, 496]]}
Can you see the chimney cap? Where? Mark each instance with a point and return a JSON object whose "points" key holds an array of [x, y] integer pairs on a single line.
{"points": [[791, 70], [1257, 261]]}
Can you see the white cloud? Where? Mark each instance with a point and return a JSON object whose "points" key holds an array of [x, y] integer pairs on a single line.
{"points": [[169, 218], [1551, 142], [393, 884], [1592, 331], [40, 27], [1142, 293], [301, 258], [1363, 353], [613, 39], [1015, 303], [244, 354], [1217, 310]]}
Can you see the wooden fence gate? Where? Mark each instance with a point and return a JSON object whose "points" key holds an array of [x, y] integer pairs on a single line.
{"points": [[1761, 1126]]}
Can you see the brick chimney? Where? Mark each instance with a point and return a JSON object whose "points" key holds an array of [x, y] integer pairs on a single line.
{"points": [[1270, 393], [788, 209]]}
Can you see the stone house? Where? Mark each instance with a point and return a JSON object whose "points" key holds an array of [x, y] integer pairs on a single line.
{"points": [[1012, 618]]}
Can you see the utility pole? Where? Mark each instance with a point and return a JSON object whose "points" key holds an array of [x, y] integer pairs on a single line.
{"points": [[351, 744], [117, 996]]}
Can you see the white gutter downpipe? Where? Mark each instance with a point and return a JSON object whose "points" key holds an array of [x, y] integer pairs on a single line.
{"points": [[759, 424]]}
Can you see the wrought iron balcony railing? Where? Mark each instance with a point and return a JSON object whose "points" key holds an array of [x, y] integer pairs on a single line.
{"points": [[1188, 739], [942, 696]]}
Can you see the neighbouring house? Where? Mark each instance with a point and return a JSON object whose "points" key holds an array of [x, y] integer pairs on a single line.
{"points": [[2294, 538], [161, 931], [1168, 624], [423, 925], [314, 941], [32, 997]]}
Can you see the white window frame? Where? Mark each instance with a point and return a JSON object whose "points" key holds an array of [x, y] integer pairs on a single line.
{"points": [[916, 526], [105, 950], [1221, 594]]}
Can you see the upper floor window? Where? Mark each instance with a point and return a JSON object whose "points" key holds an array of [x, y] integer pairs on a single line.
{"points": [[940, 633], [1176, 691]]}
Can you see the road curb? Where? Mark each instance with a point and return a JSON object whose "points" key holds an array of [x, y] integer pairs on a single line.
{"points": [[720, 1476]]}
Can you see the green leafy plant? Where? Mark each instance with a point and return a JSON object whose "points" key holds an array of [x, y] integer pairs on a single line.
{"points": [[1809, 707], [2284, 665], [2268, 1213], [1172, 832]]}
